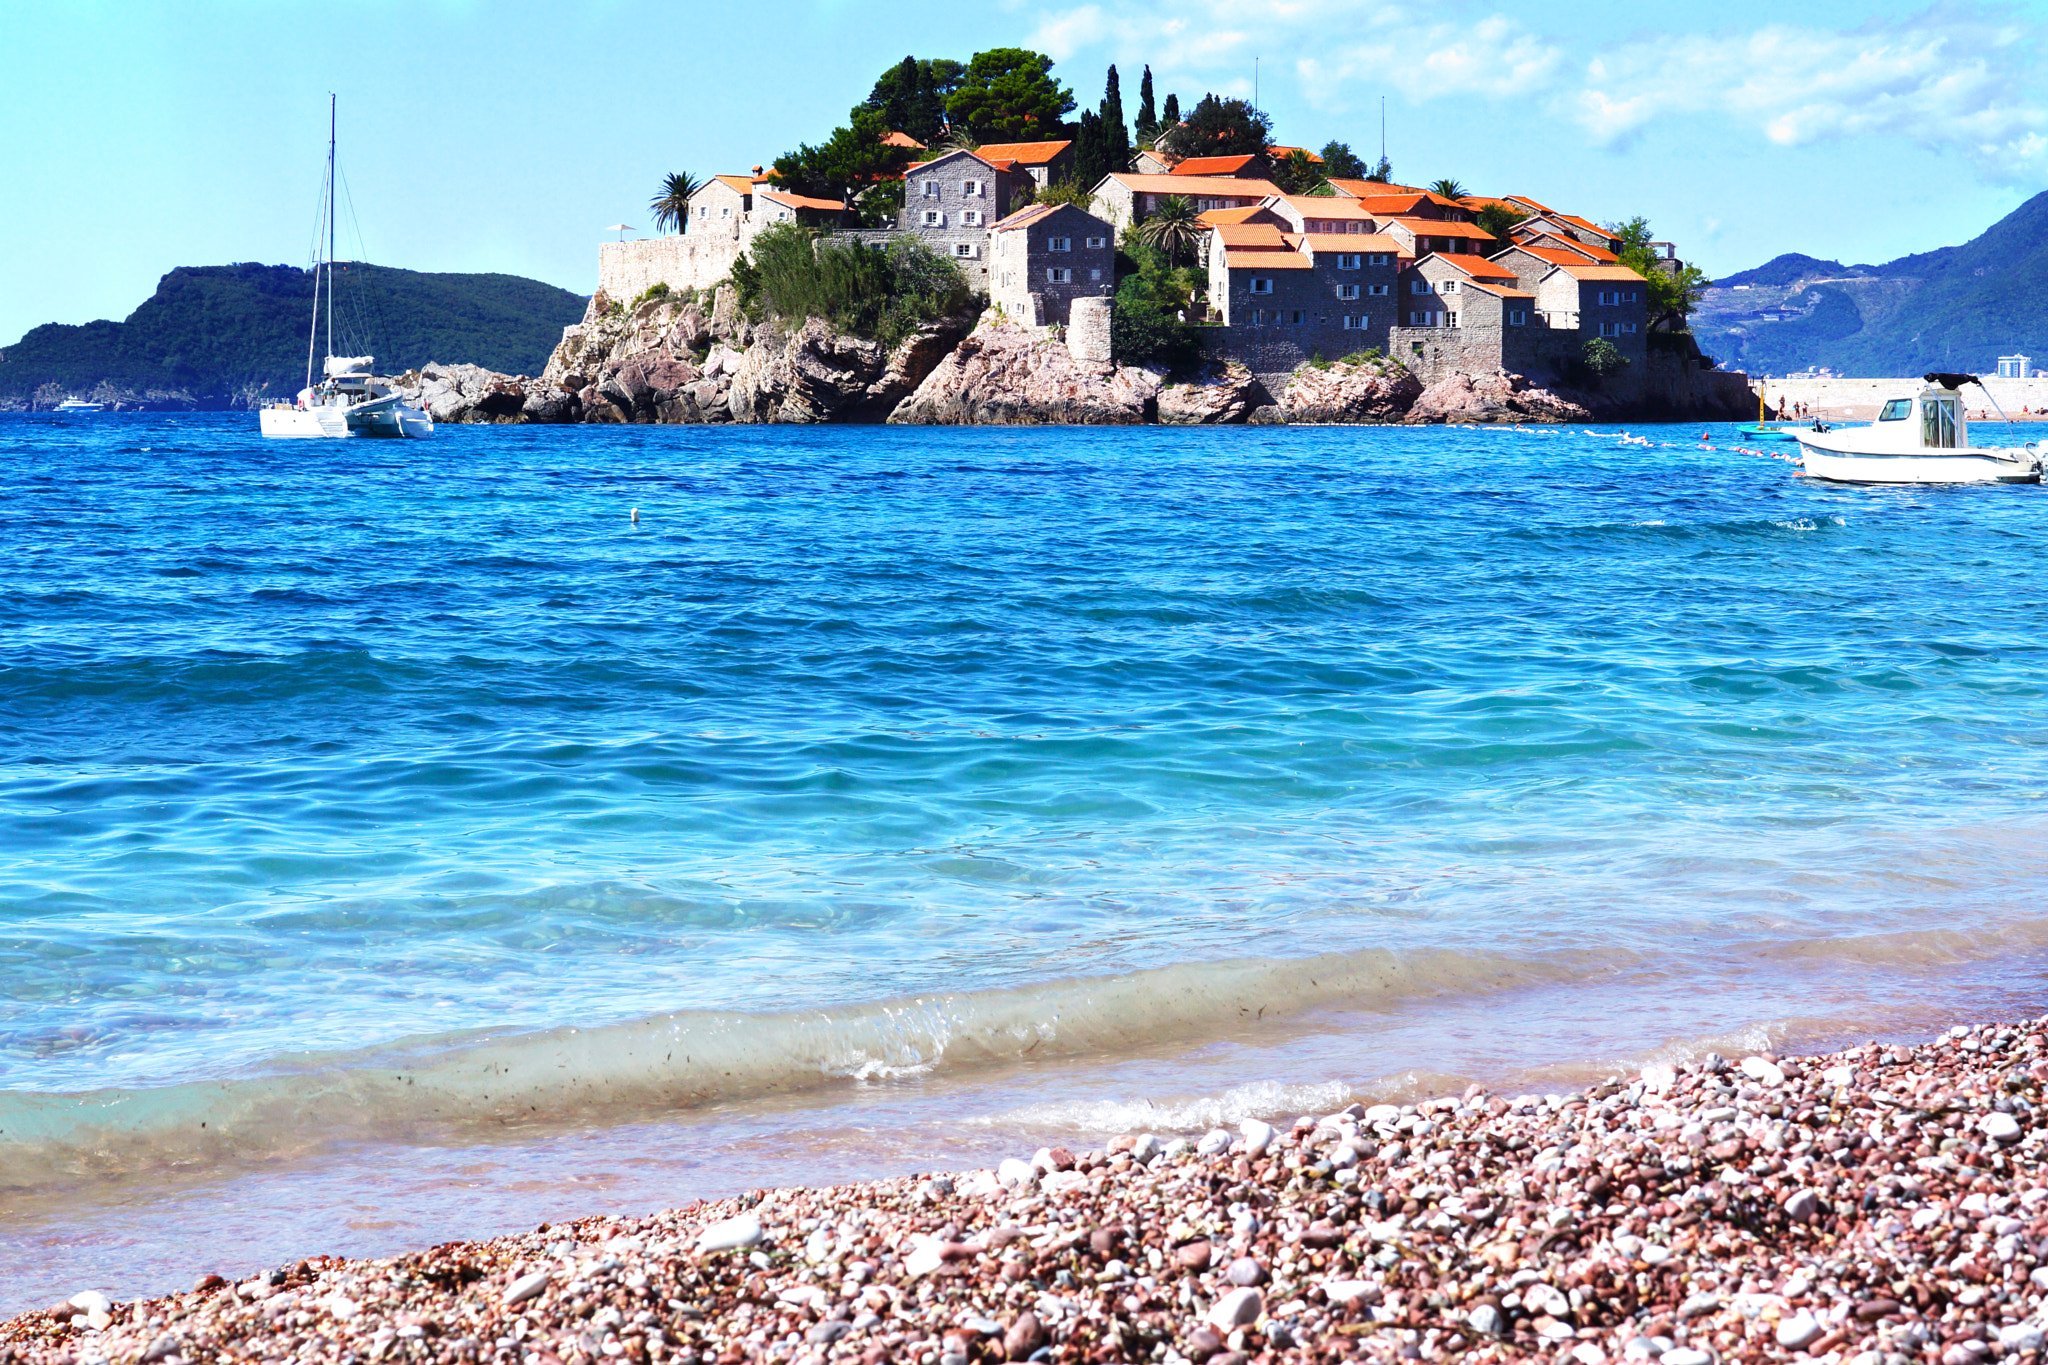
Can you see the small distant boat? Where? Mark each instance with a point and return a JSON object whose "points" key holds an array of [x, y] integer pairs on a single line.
{"points": [[1921, 438], [80, 405], [348, 400], [1764, 433]]}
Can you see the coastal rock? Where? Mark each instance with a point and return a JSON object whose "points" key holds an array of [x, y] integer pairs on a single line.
{"points": [[1219, 398], [1370, 391], [817, 374], [1497, 397], [466, 393], [1004, 374]]}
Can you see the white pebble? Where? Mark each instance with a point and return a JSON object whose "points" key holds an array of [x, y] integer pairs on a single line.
{"points": [[1685, 1355], [1215, 1141], [925, 1255], [1761, 1069], [2001, 1127], [1485, 1320], [1798, 1330], [1238, 1308], [1258, 1136], [91, 1301], [1016, 1174], [525, 1287], [1801, 1205], [1341, 1292], [743, 1231]]}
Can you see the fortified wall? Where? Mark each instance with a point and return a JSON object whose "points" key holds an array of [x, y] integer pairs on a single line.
{"points": [[625, 270]]}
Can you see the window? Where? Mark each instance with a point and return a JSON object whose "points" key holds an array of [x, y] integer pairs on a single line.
{"points": [[1517, 316], [1261, 285], [1348, 261], [1420, 286], [1347, 291], [931, 189], [970, 217], [1258, 317], [971, 188], [1938, 423], [934, 218], [1095, 242], [1378, 291], [1628, 328], [1628, 296], [1059, 244], [1354, 323], [1296, 319], [965, 250], [1059, 274], [1898, 410], [1450, 319], [1094, 275], [1447, 287], [1377, 258]]}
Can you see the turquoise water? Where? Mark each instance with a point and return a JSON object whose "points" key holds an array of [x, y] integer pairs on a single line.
{"points": [[363, 801]]}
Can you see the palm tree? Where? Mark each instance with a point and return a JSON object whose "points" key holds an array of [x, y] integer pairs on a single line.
{"points": [[1173, 227], [671, 208], [1449, 189]]}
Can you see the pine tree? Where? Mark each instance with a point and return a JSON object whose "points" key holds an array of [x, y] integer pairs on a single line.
{"points": [[1148, 116], [1116, 136]]}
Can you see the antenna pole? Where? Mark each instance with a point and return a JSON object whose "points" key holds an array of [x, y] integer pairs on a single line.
{"points": [[1255, 82], [1383, 128], [330, 222]]}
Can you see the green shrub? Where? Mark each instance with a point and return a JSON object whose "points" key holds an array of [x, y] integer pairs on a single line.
{"points": [[885, 295], [657, 290], [1316, 359], [1601, 357], [1369, 356]]}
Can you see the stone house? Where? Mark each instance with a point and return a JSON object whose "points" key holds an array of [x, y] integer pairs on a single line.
{"points": [[1571, 226], [1391, 201], [951, 202], [1125, 197], [1420, 237], [724, 204], [1461, 312], [1564, 248], [1042, 163], [1286, 297], [1251, 213], [1596, 300], [1322, 214], [1044, 256], [780, 206], [1537, 257], [1434, 289], [1249, 167]]}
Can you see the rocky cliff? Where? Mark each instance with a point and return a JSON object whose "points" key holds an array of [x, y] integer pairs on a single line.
{"points": [[689, 359]]}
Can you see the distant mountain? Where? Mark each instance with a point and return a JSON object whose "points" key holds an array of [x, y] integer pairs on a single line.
{"points": [[235, 335], [1957, 308]]}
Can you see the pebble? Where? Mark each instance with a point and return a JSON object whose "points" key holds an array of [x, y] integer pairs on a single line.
{"points": [[1237, 1308], [2001, 1127], [1798, 1331], [524, 1288], [731, 1234], [1258, 1137], [1245, 1270]]}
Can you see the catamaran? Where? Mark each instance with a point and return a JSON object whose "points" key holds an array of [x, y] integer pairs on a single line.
{"points": [[1918, 438], [348, 400]]}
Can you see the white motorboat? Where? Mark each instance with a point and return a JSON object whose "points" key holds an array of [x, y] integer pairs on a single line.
{"points": [[80, 405], [348, 400], [1924, 438]]}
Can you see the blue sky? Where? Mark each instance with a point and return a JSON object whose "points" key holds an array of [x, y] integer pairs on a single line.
{"points": [[503, 135]]}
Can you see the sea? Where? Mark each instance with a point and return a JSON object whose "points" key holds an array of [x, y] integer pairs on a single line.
{"points": [[406, 841]]}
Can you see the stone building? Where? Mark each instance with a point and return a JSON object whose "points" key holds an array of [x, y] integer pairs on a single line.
{"points": [[1044, 256], [1125, 197], [1465, 313], [780, 206], [1322, 214], [1420, 237], [1283, 298], [724, 204], [951, 202], [1042, 163], [1249, 167], [1595, 300]]}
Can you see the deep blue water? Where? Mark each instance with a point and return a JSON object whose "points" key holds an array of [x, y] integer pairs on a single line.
{"points": [[340, 747]]}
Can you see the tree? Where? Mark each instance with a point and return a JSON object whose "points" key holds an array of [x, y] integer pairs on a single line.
{"points": [[1449, 189], [1383, 172], [1170, 114], [1116, 137], [1148, 116], [1671, 295], [1221, 127], [1340, 163], [1009, 94], [1081, 194], [911, 96], [850, 161], [1297, 174], [1499, 221], [671, 208], [1091, 158], [1602, 357], [1173, 227], [1147, 326]]}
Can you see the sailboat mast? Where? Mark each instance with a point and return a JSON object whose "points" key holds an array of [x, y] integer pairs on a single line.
{"points": [[330, 223]]}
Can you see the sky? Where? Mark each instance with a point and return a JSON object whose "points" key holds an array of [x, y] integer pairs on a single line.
{"points": [[504, 135]]}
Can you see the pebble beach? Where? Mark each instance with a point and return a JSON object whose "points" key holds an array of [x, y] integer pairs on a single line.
{"points": [[1882, 1204]]}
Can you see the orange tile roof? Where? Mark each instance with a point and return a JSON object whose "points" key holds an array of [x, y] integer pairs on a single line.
{"points": [[1526, 202], [1600, 272], [1286, 151], [1266, 260], [800, 201], [1580, 222], [744, 184], [1433, 227], [1243, 214], [901, 139], [1558, 255], [1253, 236], [1215, 186], [1500, 291], [1359, 189], [1478, 267], [1212, 165], [1351, 241], [1024, 217], [1029, 153], [1327, 206]]}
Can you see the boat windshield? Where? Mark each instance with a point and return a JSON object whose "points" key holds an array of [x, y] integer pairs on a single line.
{"points": [[1938, 423], [1898, 410]]}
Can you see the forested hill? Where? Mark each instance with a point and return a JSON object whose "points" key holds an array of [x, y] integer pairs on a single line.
{"points": [[235, 335], [1956, 308]]}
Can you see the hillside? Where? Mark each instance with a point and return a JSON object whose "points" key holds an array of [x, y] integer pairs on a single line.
{"points": [[235, 335], [1957, 308]]}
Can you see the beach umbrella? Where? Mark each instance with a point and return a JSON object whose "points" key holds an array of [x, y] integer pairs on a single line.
{"points": [[620, 228]]}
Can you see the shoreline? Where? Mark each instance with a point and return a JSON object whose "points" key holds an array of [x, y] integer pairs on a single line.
{"points": [[1882, 1199]]}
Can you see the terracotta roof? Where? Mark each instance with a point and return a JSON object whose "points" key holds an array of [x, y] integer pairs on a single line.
{"points": [[1285, 151], [1214, 186], [1243, 214], [1559, 255], [1266, 260], [1526, 202], [1212, 165], [1600, 272], [1351, 241], [957, 151], [799, 201], [1582, 223], [1025, 216], [1029, 153], [1327, 206], [1431, 227], [1254, 236], [1477, 267], [1359, 189], [1500, 290], [742, 183], [1475, 202], [900, 139]]}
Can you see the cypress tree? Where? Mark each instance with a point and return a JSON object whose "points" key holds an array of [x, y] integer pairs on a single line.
{"points": [[1148, 117], [1116, 136], [1171, 114], [1089, 158]]}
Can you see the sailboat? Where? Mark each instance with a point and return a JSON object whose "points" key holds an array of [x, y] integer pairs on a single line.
{"points": [[348, 399]]}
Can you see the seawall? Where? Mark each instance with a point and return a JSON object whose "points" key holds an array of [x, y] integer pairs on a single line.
{"points": [[1859, 399]]}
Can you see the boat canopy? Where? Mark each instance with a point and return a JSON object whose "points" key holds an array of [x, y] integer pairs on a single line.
{"points": [[1941, 379], [338, 365]]}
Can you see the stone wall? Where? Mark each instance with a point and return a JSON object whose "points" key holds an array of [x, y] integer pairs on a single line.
{"points": [[1859, 399], [626, 269]]}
